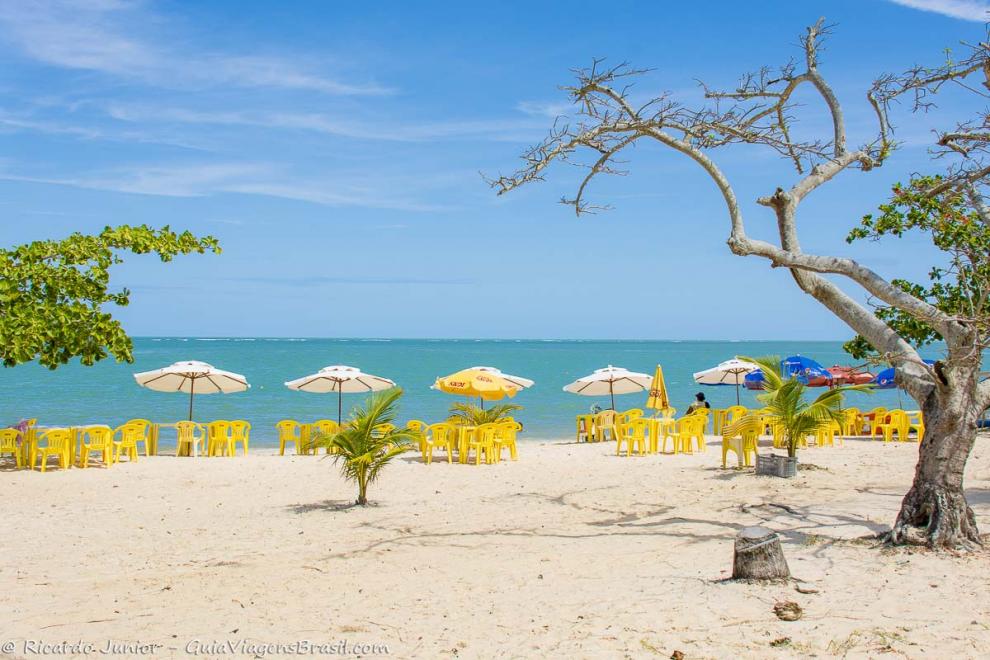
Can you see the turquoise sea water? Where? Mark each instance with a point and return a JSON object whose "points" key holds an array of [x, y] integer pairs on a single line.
{"points": [[107, 393]]}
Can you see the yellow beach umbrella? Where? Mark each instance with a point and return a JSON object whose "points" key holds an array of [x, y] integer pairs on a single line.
{"points": [[488, 385], [658, 399]]}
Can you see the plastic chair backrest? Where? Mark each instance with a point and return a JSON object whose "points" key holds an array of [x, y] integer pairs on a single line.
{"points": [[9, 439], [130, 432], [733, 413], [98, 436], [218, 428], [439, 432], [287, 427], [57, 437], [240, 428], [186, 430]]}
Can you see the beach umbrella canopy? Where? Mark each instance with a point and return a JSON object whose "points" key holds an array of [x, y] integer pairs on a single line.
{"points": [[610, 380], [516, 380], [192, 377], [658, 399], [803, 368], [730, 372], [885, 379], [341, 379], [486, 383]]}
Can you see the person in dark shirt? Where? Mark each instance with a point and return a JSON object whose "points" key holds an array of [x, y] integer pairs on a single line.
{"points": [[699, 402]]}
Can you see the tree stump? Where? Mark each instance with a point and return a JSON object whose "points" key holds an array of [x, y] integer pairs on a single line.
{"points": [[758, 556]]}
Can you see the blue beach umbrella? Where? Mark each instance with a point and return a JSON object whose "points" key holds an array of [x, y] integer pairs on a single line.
{"points": [[885, 379], [803, 368]]}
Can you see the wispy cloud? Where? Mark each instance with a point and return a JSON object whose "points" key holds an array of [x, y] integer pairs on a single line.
{"points": [[551, 109], [113, 37], [967, 10], [196, 180], [511, 129], [317, 280]]}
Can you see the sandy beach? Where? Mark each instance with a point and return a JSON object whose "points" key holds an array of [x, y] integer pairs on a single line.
{"points": [[568, 552]]}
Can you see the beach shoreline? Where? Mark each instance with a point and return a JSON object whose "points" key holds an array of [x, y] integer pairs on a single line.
{"points": [[570, 550]]}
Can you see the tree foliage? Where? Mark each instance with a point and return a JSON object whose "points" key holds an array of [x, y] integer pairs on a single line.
{"points": [[784, 402], [959, 284], [476, 415], [54, 294], [362, 448]]}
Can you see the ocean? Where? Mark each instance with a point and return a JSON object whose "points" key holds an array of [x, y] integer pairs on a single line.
{"points": [[107, 393]]}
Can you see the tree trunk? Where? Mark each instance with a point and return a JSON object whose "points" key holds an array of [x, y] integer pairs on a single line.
{"points": [[362, 491], [758, 556], [935, 512]]}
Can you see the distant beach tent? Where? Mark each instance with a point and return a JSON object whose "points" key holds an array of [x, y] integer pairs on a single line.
{"points": [[610, 380], [193, 378], [730, 372], [658, 399], [486, 383], [341, 379], [803, 368]]}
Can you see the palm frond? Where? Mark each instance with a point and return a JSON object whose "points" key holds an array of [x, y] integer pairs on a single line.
{"points": [[362, 448]]}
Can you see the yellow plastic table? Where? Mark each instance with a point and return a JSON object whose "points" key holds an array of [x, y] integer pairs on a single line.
{"points": [[657, 426], [589, 426]]}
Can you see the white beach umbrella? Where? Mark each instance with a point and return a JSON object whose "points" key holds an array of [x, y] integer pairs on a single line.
{"points": [[730, 372], [610, 380], [192, 377], [340, 379]]}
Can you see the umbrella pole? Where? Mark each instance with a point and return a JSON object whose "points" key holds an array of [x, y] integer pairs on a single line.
{"points": [[340, 405], [191, 389], [611, 392], [737, 389]]}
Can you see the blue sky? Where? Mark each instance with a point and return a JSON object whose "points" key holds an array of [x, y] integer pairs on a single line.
{"points": [[335, 150]]}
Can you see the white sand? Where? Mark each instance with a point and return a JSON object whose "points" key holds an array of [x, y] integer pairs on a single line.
{"points": [[569, 552]]}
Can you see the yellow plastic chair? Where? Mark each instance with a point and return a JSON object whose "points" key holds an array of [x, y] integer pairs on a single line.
{"points": [[734, 414], [627, 416], [56, 444], [440, 435], [96, 438], [879, 417], [482, 440], [145, 427], [826, 435], [742, 437], [896, 422], [240, 431], [631, 433], [703, 412], [916, 423], [852, 422], [288, 431], [186, 438], [420, 427], [683, 431], [130, 435], [218, 440], [605, 424], [10, 443], [505, 437]]}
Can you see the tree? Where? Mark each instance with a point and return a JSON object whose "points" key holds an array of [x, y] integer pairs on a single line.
{"points": [[760, 112], [53, 294], [784, 401], [368, 442], [475, 415]]}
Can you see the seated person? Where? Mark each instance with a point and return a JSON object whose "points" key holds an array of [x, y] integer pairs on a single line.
{"points": [[699, 402]]}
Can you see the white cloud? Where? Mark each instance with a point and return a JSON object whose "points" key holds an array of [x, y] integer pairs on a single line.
{"points": [[967, 10], [104, 36], [491, 129], [549, 109], [197, 180]]}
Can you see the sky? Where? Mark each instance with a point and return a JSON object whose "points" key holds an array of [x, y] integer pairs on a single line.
{"points": [[337, 150]]}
